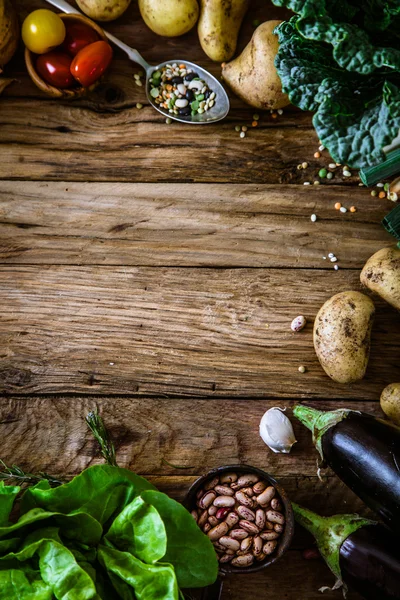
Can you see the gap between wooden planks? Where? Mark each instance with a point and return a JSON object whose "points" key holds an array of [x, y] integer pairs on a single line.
{"points": [[187, 225]]}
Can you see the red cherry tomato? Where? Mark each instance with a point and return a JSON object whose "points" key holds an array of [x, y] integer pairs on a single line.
{"points": [[91, 62], [78, 36], [55, 68]]}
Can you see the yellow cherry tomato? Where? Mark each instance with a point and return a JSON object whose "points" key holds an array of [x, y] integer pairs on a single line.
{"points": [[43, 30]]}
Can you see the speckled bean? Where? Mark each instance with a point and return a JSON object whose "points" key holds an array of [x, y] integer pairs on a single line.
{"points": [[212, 510], [247, 479], [230, 543], [276, 505], [207, 499], [248, 491], [257, 545], [278, 527], [261, 557], [269, 535], [246, 513], [243, 499], [217, 532], [207, 527], [248, 526], [275, 517], [246, 544], [194, 515], [243, 561], [223, 501], [260, 518], [213, 521], [203, 518], [231, 519], [269, 547], [259, 487], [266, 496], [225, 558], [224, 490], [239, 534]]}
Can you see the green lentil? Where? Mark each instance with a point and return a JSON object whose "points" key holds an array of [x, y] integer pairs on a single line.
{"points": [[237, 128], [322, 173], [168, 121], [373, 193], [139, 105], [256, 117]]}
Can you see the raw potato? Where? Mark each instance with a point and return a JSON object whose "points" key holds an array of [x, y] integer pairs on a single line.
{"points": [[169, 18], [390, 402], [103, 10], [219, 25], [381, 274], [9, 32], [342, 332], [253, 76]]}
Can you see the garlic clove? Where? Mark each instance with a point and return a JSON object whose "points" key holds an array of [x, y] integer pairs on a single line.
{"points": [[276, 430]]}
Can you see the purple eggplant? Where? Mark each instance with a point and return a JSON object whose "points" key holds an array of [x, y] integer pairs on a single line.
{"points": [[364, 452], [362, 554]]}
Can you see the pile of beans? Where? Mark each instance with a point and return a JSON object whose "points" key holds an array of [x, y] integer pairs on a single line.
{"points": [[242, 517]]}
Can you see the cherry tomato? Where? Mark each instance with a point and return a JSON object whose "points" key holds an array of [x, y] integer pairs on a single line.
{"points": [[55, 68], [78, 36], [91, 62], [42, 30]]}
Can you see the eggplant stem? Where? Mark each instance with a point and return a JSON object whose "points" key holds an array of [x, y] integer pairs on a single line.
{"points": [[319, 421], [329, 532]]}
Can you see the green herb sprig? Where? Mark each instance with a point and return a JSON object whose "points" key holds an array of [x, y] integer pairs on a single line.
{"points": [[99, 430], [15, 473]]}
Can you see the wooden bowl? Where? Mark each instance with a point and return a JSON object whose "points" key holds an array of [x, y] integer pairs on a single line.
{"points": [[285, 540], [50, 90]]}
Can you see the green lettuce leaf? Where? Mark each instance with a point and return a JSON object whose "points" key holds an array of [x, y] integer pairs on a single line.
{"points": [[101, 491], [189, 551], [150, 582], [8, 493], [24, 583], [139, 529]]}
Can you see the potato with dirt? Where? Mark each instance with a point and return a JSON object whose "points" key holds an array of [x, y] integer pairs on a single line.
{"points": [[219, 25], [381, 274], [9, 32], [252, 76], [390, 402], [103, 10], [342, 334], [169, 18]]}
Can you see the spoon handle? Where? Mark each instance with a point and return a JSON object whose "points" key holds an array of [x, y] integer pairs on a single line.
{"points": [[133, 54]]}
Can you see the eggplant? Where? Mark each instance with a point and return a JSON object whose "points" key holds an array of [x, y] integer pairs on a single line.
{"points": [[362, 554], [364, 452]]}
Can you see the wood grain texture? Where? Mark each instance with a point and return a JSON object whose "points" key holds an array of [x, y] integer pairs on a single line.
{"points": [[186, 225], [176, 331]]}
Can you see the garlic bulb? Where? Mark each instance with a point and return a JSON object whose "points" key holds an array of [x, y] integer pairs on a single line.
{"points": [[276, 430]]}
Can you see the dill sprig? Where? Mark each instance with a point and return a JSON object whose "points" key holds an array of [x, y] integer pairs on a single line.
{"points": [[18, 475], [97, 427]]}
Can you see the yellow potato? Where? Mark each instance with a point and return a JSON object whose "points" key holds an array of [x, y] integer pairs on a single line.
{"points": [[169, 18], [219, 25], [342, 332], [253, 76], [103, 10], [381, 274], [9, 32], [390, 402]]}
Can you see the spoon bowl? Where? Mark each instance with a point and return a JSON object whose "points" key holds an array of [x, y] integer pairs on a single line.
{"points": [[216, 113]]}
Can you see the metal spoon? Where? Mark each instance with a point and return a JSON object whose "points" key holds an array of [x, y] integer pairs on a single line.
{"points": [[216, 113]]}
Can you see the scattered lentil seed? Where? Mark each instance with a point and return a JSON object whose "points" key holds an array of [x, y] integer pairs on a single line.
{"points": [[346, 173], [317, 155], [237, 128], [313, 218], [336, 267], [256, 117], [316, 182], [332, 165], [302, 369], [274, 115], [244, 128], [304, 165], [139, 105], [333, 259], [380, 184], [353, 209], [338, 206], [242, 134], [280, 111], [329, 175], [382, 195], [322, 173], [361, 184], [168, 121], [331, 255], [321, 148], [254, 123], [343, 209], [373, 193], [138, 82], [136, 76], [306, 183]]}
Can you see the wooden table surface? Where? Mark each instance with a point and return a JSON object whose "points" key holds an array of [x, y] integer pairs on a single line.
{"points": [[153, 270]]}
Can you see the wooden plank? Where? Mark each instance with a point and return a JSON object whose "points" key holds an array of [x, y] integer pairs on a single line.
{"points": [[50, 434], [141, 331], [186, 225]]}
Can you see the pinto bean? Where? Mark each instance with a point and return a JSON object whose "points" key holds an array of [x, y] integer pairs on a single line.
{"points": [[248, 491], [243, 499], [218, 531], [259, 487], [239, 534], [247, 479], [243, 561], [207, 527], [228, 478], [246, 544], [213, 521], [203, 518], [224, 490], [269, 547], [276, 505], [261, 557], [207, 499], [269, 535], [231, 519], [246, 513], [249, 526], [212, 510], [260, 518], [274, 516], [225, 558], [257, 545], [229, 542], [223, 501], [266, 496], [279, 528]]}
